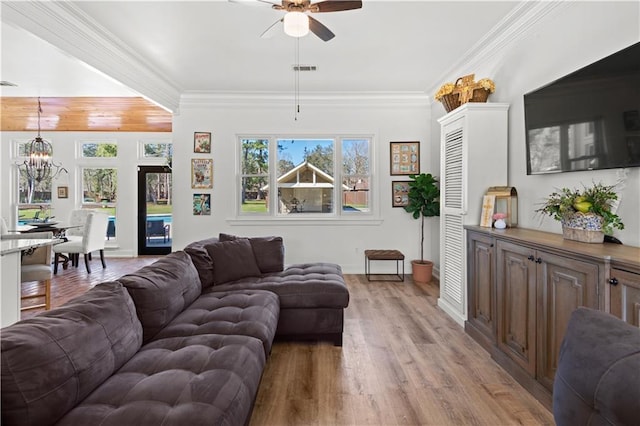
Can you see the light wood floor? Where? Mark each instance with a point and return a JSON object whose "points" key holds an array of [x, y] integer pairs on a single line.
{"points": [[403, 362]]}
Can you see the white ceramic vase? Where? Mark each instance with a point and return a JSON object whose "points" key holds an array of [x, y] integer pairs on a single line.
{"points": [[500, 224]]}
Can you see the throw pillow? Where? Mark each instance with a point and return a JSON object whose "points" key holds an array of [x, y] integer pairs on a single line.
{"points": [[232, 260], [268, 251], [162, 290]]}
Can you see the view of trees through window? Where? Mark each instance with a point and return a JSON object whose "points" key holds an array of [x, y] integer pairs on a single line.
{"points": [[306, 175]]}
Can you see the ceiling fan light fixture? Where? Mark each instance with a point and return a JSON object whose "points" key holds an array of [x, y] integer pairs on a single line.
{"points": [[296, 24]]}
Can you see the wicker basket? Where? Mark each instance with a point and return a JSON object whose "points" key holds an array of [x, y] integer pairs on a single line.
{"points": [[465, 90]]}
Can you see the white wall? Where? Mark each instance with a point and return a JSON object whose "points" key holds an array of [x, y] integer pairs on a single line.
{"points": [[386, 118], [573, 36], [64, 151]]}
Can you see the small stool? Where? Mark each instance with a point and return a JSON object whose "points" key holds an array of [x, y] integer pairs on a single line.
{"points": [[396, 255]]}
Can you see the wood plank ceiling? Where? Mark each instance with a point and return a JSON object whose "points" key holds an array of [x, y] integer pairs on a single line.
{"points": [[84, 114]]}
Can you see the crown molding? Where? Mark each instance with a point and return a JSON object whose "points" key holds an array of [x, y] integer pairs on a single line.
{"points": [[318, 99], [511, 28], [68, 28]]}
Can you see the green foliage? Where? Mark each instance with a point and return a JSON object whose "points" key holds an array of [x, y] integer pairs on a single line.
{"points": [[597, 199], [424, 201]]}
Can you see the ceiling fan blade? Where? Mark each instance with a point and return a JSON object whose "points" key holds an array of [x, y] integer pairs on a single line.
{"points": [[269, 32], [320, 30], [335, 6]]}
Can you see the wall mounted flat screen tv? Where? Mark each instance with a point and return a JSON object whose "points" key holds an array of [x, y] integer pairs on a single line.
{"points": [[587, 120]]}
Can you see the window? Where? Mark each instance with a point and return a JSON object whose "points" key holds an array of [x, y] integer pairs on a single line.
{"points": [[157, 150], [307, 178], [100, 191], [34, 198], [98, 149]]}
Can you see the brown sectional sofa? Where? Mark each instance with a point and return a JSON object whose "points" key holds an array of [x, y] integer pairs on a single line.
{"points": [[161, 346]]}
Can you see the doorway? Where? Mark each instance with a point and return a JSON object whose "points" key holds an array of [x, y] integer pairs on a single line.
{"points": [[155, 210]]}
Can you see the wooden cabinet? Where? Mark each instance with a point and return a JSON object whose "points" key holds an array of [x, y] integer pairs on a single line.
{"points": [[473, 144], [523, 285], [625, 295], [481, 311]]}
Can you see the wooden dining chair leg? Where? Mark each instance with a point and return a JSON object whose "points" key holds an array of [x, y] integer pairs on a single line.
{"points": [[104, 265], [55, 263], [47, 294], [86, 262]]}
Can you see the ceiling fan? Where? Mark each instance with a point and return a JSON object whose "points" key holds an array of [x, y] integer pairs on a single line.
{"points": [[298, 23]]}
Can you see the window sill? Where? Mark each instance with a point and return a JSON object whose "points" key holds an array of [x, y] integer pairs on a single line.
{"points": [[306, 221]]}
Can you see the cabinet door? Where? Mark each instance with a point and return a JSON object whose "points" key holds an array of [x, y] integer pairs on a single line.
{"points": [[516, 297], [481, 284], [625, 296], [563, 285]]}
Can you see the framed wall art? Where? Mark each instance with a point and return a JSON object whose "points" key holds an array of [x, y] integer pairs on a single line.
{"points": [[201, 173], [405, 158], [201, 204], [399, 193], [63, 192], [202, 142]]}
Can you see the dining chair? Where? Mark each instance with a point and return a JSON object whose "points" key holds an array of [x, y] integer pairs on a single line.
{"points": [[35, 266], [93, 238], [77, 217], [3, 226]]}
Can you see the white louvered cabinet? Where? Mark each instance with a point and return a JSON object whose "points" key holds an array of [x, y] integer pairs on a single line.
{"points": [[473, 157]]}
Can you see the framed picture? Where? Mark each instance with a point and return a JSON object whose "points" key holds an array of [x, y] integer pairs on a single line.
{"points": [[63, 192], [201, 204], [201, 173], [202, 142], [399, 193], [405, 158]]}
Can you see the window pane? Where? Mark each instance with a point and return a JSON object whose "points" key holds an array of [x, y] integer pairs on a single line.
{"points": [[99, 150], [158, 150], [355, 194], [355, 156], [33, 192], [255, 195], [100, 191], [305, 175]]}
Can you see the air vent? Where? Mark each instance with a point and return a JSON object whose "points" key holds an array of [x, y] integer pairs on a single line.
{"points": [[7, 83], [304, 67]]}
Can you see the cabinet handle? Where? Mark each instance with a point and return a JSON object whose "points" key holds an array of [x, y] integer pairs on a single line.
{"points": [[613, 281], [538, 260], [531, 258]]}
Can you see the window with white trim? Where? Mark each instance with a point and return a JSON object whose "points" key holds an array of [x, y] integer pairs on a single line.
{"points": [[312, 176]]}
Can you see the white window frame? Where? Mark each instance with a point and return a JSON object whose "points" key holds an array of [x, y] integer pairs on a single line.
{"points": [[148, 160], [338, 215]]}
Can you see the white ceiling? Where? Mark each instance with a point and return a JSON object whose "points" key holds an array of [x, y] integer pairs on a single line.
{"points": [[215, 46]]}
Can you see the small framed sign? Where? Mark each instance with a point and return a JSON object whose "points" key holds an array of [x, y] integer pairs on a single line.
{"points": [[202, 142], [201, 173], [63, 192]]}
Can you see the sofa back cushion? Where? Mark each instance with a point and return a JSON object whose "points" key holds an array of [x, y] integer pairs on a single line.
{"points": [[52, 361], [268, 251], [232, 260], [162, 290], [201, 260]]}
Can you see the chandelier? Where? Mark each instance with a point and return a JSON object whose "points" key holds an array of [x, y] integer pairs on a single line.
{"points": [[39, 165]]}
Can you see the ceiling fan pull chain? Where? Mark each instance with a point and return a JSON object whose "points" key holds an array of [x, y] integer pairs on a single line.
{"points": [[297, 80]]}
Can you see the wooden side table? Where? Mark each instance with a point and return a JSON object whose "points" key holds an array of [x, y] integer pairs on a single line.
{"points": [[396, 255]]}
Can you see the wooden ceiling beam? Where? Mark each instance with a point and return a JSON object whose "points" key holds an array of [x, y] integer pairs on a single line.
{"points": [[84, 114]]}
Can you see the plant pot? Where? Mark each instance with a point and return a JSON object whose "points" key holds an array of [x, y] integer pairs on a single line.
{"points": [[583, 227], [422, 271]]}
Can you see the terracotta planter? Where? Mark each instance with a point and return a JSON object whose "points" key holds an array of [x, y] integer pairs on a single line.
{"points": [[422, 271]]}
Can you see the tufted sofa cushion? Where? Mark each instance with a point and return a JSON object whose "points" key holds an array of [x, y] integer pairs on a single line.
{"points": [[598, 377], [232, 260], [305, 285], [52, 361], [201, 260], [242, 312], [195, 380], [162, 290], [268, 251]]}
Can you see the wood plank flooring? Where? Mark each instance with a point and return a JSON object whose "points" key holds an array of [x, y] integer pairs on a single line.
{"points": [[404, 362]]}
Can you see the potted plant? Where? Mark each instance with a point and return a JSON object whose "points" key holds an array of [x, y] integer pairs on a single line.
{"points": [[423, 201], [585, 214]]}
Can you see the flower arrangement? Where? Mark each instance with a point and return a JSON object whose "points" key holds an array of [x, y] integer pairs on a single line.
{"points": [[497, 216], [564, 204], [446, 89], [487, 85]]}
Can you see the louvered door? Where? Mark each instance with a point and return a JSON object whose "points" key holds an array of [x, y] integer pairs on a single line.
{"points": [[473, 158]]}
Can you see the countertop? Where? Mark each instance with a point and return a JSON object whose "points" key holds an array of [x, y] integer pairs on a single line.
{"points": [[12, 246]]}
